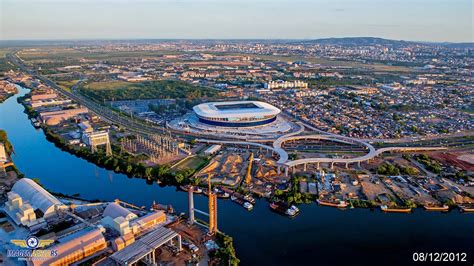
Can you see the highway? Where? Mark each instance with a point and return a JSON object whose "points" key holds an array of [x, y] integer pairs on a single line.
{"points": [[105, 113]]}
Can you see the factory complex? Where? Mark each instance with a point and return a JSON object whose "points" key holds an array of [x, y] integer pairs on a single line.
{"points": [[71, 231]]}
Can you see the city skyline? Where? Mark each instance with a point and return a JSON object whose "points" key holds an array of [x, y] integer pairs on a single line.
{"points": [[431, 21]]}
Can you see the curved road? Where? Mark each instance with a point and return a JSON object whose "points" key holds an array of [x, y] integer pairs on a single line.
{"points": [[287, 164]]}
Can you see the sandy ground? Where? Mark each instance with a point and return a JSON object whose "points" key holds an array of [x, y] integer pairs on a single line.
{"points": [[467, 158]]}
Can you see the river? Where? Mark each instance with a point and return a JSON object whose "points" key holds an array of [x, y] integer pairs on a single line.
{"points": [[318, 236]]}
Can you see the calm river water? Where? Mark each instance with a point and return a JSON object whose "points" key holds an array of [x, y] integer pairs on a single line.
{"points": [[318, 236]]}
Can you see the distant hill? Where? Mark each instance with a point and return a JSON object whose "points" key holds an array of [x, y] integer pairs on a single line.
{"points": [[369, 41]]}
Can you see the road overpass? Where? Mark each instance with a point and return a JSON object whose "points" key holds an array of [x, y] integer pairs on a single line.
{"points": [[289, 165]]}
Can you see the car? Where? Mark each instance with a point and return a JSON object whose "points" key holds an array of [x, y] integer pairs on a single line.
{"points": [[193, 248]]}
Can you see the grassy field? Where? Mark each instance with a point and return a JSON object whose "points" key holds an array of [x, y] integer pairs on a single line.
{"points": [[49, 53], [154, 89], [3, 52], [62, 53], [108, 85], [329, 62], [67, 84], [195, 163]]}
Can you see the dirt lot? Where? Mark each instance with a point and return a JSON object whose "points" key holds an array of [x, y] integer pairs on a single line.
{"points": [[406, 191], [371, 189], [463, 160], [351, 191], [191, 234], [228, 168]]}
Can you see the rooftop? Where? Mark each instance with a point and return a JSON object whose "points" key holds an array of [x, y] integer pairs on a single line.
{"points": [[235, 108]]}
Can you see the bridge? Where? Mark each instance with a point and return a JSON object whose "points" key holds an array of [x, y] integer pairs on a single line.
{"points": [[288, 165]]}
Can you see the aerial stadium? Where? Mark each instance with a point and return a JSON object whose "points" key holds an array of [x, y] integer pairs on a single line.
{"points": [[234, 119], [236, 114]]}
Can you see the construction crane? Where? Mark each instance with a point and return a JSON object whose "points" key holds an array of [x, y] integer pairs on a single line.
{"points": [[58, 208], [248, 177], [142, 208], [212, 208], [73, 206]]}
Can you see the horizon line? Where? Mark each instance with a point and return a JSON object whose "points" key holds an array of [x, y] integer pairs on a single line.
{"points": [[226, 39]]}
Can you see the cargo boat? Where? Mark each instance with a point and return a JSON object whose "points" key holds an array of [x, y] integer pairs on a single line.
{"points": [[385, 208], [219, 193], [247, 205], [248, 198], [340, 204], [196, 190], [467, 208], [35, 123], [244, 197], [443, 208], [284, 208]]}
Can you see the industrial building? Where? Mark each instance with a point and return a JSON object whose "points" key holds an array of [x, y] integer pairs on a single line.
{"points": [[55, 117], [29, 204], [236, 113], [115, 233], [145, 248], [127, 224], [213, 149], [97, 138], [3, 154], [75, 247]]}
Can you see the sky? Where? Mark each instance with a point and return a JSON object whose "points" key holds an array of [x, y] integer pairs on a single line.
{"points": [[416, 20]]}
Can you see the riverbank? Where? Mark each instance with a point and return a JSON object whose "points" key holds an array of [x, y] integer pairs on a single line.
{"points": [[7, 90]]}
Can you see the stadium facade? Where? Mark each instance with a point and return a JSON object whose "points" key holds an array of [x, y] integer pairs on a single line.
{"points": [[236, 113]]}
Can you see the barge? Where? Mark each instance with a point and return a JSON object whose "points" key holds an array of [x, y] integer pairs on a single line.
{"points": [[385, 208], [196, 189], [443, 208], [340, 204], [247, 205], [467, 208], [284, 208]]}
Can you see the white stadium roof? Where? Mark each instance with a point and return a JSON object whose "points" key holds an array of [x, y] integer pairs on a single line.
{"points": [[211, 109]]}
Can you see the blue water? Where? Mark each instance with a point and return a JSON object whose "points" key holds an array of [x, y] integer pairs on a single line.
{"points": [[318, 236]]}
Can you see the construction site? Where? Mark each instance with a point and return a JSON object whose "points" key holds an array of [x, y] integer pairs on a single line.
{"points": [[233, 167]]}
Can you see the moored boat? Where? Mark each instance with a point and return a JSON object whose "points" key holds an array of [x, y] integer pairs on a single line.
{"points": [[467, 207], [196, 189], [244, 197], [219, 193], [340, 204], [247, 205], [385, 208], [35, 123], [437, 208], [283, 208]]}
